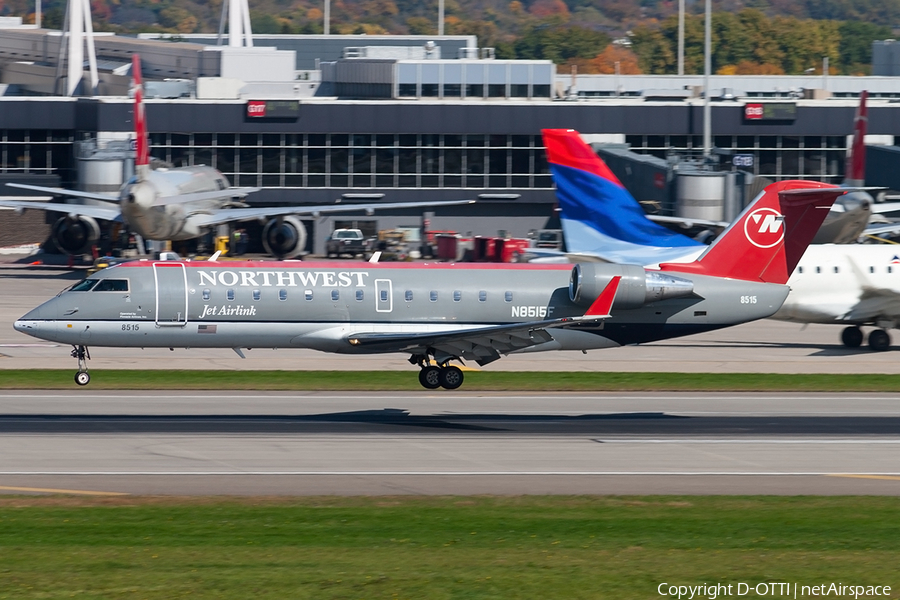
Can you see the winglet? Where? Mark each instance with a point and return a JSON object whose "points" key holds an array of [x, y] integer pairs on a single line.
{"points": [[602, 306], [142, 154]]}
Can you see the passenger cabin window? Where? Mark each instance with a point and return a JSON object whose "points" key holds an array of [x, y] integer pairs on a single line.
{"points": [[84, 286], [482, 296], [112, 285], [308, 294], [871, 269], [335, 295], [800, 269], [433, 296], [836, 270], [457, 295], [818, 269], [508, 296], [230, 294], [256, 294], [206, 294], [408, 295], [282, 295], [360, 295], [384, 296], [890, 269]]}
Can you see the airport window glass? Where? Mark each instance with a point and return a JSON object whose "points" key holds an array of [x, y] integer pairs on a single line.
{"points": [[206, 294], [271, 139], [335, 295], [521, 141], [508, 296], [457, 295], [474, 162], [497, 90], [339, 160], [180, 139], [408, 140], [86, 285], [225, 160], [340, 139], [271, 160], [229, 294], [540, 91], [248, 158], [316, 162], [521, 161], [385, 160], [257, 294], [433, 296], [360, 295], [475, 90], [203, 139], [453, 160], [408, 295], [482, 296], [249, 139], [406, 90], [385, 140], [452, 90], [225, 139], [308, 294], [112, 285], [362, 160], [282, 295]]}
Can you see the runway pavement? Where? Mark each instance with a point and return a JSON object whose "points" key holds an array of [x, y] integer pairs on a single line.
{"points": [[759, 347], [449, 443]]}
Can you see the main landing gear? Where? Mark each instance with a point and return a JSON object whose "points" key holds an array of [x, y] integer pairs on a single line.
{"points": [[82, 377], [879, 339], [432, 377]]}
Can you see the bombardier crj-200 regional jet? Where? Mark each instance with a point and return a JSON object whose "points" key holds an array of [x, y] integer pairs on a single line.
{"points": [[180, 204], [852, 285], [441, 312]]}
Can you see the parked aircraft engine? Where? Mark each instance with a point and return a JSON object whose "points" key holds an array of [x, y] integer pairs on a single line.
{"points": [[284, 237], [75, 234], [636, 288]]}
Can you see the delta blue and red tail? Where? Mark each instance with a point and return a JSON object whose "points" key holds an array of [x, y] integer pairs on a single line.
{"points": [[599, 216], [142, 144]]}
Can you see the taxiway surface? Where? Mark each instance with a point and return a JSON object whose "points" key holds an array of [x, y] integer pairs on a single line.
{"points": [[449, 443]]}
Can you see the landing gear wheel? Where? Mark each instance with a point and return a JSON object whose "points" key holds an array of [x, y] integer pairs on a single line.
{"points": [[430, 377], [879, 340], [451, 377], [82, 378], [82, 355], [852, 337]]}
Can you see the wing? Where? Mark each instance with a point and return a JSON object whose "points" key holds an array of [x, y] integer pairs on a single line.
{"points": [[688, 223], [485, 344], [104, 213], [225, 215], [882, 229], [875, 303], [64, 192]]}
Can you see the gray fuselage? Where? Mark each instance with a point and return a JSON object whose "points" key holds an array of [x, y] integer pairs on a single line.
{"points": [[321, 305]]}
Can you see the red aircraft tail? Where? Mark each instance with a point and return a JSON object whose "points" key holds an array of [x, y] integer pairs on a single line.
{"points": [[766, 241], [142, 155], [856, 160]]}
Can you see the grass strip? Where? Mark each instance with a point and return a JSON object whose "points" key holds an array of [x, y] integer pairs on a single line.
{"points": [[475, 381], [438, 547]]}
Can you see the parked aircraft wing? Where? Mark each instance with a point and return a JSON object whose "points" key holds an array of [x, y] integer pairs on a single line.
{"points": [[54, 191], [487, 344], [688, 223], [228, 193], [225, 215], [104, 213], [874, 304]]}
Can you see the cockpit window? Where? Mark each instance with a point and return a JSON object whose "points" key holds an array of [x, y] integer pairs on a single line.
{"points": [[84, 286], [112, 285]]}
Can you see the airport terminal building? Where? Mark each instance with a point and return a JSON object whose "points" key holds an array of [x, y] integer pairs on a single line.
{"points": [[415, 127]]}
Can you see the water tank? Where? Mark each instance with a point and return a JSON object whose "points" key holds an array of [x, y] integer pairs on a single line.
{"points": [[700, 195], [103, 166]]}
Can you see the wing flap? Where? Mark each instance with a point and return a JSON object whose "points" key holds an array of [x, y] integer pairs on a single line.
{"points": [[104, 213]]}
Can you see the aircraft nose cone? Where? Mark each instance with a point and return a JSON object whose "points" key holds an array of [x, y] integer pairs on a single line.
{"points": [[23, 326]]}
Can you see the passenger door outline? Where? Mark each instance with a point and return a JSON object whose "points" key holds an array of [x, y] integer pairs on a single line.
{"points": [[170, 303]]}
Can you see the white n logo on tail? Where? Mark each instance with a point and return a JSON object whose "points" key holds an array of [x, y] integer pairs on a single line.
{"points": [[763, 229]]}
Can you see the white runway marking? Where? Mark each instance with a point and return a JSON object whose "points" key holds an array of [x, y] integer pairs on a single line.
{"points": [[455, 473], [745, 440]]}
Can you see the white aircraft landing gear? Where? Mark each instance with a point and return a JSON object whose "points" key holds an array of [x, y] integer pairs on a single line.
{"points": [[432, 377], [852, 336], [82, 377], [879, 340]]}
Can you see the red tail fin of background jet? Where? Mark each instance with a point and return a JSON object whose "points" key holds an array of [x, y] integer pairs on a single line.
{"points": [[142, 156], [767, 240], [856, 160]]}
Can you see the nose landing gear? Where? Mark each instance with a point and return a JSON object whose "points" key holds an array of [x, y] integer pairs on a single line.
{"points": [[82, 377], [432, 377]]}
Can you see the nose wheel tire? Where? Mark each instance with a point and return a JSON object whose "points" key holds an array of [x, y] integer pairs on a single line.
{"points": [[879, 340], [82, 378], [430, 377], [852, 337], [451, 377]]}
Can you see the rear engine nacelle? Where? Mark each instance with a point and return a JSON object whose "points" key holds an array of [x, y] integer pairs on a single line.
{"points": [[636, 288], [75, 234], [284, 237]]}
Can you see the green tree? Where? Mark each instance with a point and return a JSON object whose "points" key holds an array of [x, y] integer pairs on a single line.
{"points": [[654, 51], [560, 43], [856, 44]]}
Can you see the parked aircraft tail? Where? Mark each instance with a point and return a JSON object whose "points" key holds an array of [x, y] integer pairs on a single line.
{"points": [[599, 216], [856, 160], [767, 240], [142, 156]]}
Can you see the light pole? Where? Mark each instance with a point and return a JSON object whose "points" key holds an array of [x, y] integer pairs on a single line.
{"points": [[681, 37], [440, 17], [707, 67]]}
